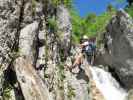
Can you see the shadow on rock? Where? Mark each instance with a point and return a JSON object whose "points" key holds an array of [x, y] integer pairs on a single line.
{"points": [[82, 75]]}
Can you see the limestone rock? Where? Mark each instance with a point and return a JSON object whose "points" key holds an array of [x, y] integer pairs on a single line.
{"points": [[32, 86], [28, 41], [41, 49], [65, 27], [9, 26], [76, 86], [120, 30]]}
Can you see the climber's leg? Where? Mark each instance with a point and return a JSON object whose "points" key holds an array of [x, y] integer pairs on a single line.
{"points": [[92, 58], [78, 60], [88, 57]]}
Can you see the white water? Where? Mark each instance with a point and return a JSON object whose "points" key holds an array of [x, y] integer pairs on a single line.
{"points": [[108, 86]]}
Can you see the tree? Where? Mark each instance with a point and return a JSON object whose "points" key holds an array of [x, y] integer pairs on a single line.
{"points": [[67, 3], [130, 2], [110, 8], [91, 17]]}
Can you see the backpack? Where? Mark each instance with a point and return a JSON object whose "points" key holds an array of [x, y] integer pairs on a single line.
{"points": [[88, 49]]}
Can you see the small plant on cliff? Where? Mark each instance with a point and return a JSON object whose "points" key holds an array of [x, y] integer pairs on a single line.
{"points": [[61, 76], [71, 92], [52, 25], [7, 91]]}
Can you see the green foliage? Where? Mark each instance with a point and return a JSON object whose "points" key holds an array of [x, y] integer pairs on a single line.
{"points": [[110, 8], [61, 72], [129, 10], [56, 2], [61, 76], [76, 26], [52, 25], [7, 89], [91, 18], [91, 25], [67, 3]]}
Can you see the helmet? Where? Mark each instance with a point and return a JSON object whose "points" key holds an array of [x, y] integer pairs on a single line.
{"points": [[85, 37]]}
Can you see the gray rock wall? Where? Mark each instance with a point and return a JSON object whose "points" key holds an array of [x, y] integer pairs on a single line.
{"points": [[120, 29], [10, 11], [65, 27]]}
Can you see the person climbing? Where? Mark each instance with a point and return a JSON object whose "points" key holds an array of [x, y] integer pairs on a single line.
{"points": [[88, 48]]}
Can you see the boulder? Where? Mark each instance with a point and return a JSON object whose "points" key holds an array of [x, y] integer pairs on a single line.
{"points": [[120, 32]]}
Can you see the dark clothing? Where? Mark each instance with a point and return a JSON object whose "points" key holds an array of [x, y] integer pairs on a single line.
{"points": [[89, 50]]}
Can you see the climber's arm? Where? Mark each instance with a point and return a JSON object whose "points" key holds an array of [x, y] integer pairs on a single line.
{"points": [[84, 44]]}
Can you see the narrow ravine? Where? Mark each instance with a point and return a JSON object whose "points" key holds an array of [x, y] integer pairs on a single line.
{"points": [[40, 41]]}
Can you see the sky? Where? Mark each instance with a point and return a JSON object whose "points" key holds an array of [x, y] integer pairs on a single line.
{"points": [[85, 7]]}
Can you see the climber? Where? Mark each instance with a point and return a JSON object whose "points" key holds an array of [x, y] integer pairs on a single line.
{"points": [[88, 49]]}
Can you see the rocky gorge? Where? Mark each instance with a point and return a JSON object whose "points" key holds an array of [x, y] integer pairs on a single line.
{"points": [[34, 55]]}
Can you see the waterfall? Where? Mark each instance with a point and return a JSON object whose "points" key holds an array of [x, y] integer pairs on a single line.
{"points": [[108, 86]]}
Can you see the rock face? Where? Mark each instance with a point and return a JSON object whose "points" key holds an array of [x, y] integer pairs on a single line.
{"points": [[10, 12], [65, 27], [120, 31], [9, 24], [77, 86], [19, 31], [28, 41], [32, 86]]}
